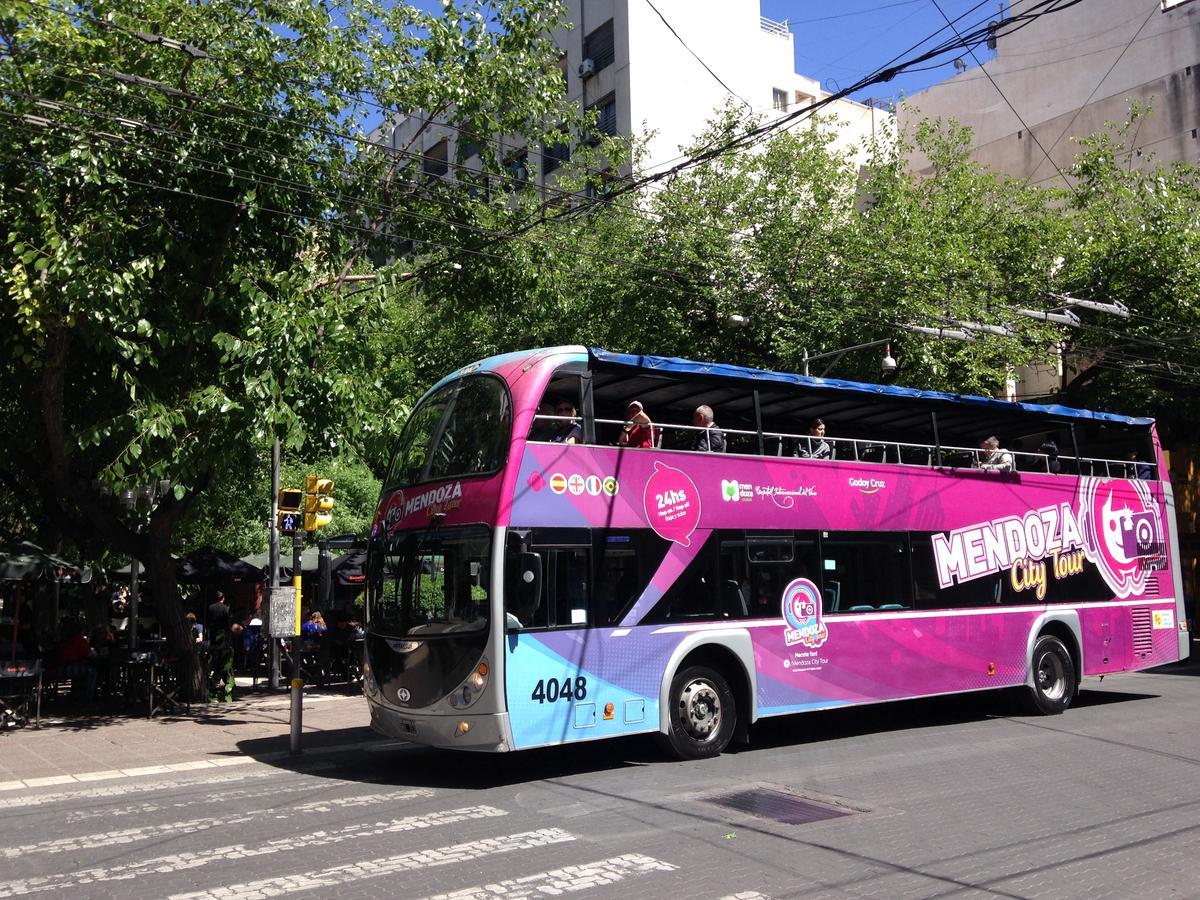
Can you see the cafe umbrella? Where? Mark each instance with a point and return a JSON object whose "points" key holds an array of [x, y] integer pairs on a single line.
{"points": [[26, 562], [208, 565]]}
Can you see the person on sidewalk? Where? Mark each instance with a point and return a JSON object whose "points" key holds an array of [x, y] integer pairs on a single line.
{"points": [[220, 649]]}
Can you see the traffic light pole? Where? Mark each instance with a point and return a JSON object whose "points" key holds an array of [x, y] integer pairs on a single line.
{"points": [[297, 644]]}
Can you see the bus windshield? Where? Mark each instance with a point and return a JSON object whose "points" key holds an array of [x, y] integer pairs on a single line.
{"points": [[461, 429], [432, 582]]}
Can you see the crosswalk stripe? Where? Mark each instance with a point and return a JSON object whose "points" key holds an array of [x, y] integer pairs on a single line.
{"points": [[377, 868], [196, 859], [565, 880], [119, 837], [124, 790], [236, 795]]}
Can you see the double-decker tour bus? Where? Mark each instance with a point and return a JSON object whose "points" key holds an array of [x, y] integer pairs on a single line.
{"points": [[552, 562]]}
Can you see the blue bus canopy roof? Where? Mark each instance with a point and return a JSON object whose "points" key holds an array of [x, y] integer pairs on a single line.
{"points": [[724, 370]]}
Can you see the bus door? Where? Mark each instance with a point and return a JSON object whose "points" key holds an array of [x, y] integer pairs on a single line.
{"points": [[547, 603]]}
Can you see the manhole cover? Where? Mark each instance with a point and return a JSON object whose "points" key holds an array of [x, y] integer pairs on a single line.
{"points": [[778, 806]]}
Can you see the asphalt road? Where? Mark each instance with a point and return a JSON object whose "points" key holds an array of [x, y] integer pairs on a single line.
{"points": [[953, 797]]}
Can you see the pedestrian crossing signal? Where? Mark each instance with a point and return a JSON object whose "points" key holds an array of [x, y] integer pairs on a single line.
{"points": [[290, 521]]}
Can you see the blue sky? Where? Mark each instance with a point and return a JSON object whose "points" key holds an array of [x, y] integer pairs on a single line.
{"points": [[839, 41]]}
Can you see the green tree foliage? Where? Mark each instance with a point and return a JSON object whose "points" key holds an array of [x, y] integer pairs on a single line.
{"points": [[1135, 239], [234, 511], [185, 189]]}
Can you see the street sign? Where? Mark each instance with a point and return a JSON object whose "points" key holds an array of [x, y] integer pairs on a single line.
{"points": [[281, 620]]}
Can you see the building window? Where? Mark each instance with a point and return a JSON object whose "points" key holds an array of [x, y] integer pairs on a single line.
{"points": [[599, 47], [779, 98], [517, 166], [803, 99], [553, 156], [468, 149], [436, 162], [606, 115]]}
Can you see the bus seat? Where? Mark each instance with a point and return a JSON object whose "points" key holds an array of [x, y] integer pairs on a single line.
{"points": [[862, 607], [735, 600], [830, 592], [892, 606]]}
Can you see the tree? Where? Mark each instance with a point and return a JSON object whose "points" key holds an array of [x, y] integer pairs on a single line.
{"points": [[1134, 239], [187, 188]]}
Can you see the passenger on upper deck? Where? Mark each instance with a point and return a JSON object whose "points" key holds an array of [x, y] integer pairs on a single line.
{"points": [[1137, 467], [568, 430], [992, 457], [1053, 463], [638, 430], [712, 438], [814, 446], [543, 426]]}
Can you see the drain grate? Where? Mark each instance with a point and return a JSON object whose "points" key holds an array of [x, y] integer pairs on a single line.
{"points": [[778, 807]]}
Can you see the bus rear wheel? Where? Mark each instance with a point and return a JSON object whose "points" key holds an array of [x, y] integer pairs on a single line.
{"points": [[702, 715], [1053, 677]]}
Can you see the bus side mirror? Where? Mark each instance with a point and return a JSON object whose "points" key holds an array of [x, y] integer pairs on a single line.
{"points": [[529, 586]]}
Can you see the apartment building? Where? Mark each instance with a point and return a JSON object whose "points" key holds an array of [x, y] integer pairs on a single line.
{"points": [[1066, 74], [660, 69]]}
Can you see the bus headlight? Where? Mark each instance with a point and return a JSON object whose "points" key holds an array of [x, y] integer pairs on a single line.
{"points": [[468, 692]]}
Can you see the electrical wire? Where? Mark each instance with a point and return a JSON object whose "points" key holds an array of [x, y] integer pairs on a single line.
{"points": [[696, 56], [1004, 97]]}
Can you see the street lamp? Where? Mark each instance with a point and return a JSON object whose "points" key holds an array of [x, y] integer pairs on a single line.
{"points": [[133, 501], [887, 369]]}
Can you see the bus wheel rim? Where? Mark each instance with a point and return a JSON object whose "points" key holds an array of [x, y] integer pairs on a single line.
{"points": [[700, 710], [1051, 678]]}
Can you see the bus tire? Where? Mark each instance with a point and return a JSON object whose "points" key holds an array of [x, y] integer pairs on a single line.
{"points": [[702, 716], [1053, 673]]}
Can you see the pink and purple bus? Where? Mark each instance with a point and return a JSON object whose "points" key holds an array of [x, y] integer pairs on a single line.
{"points": [[533, 582]]}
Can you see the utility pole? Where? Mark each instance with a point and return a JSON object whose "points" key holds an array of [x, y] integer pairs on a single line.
{"points": [[273, 562]]}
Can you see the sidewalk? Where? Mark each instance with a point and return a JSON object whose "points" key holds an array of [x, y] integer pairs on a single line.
{"points": [[102, 747]]}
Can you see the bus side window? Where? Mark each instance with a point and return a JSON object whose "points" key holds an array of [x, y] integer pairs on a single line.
{"points": [[869, 568], [696, 593], [929, 594], [625, 563]]}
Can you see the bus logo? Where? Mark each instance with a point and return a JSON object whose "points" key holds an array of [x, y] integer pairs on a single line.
{"points": [[610, 486], [575, 484], [802, 613], [558, 483], [592, 485], [1123, 533]]}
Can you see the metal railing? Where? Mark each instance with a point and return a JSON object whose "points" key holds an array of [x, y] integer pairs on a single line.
{"points": [[770, 26], [873, 450]]}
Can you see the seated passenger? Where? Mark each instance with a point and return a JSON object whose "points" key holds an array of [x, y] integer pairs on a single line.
{"points": [[712, 438], [543, 426], [1136, 467], [567, 429], [1053, 464], [638, 430], [814, 446], [992, 457]]}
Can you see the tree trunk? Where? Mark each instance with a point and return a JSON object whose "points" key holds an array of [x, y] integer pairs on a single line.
{"points": [[168, 605]]}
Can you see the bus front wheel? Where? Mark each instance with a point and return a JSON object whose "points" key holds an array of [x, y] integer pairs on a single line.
{"points": [[1053, 677], [703, 714]]}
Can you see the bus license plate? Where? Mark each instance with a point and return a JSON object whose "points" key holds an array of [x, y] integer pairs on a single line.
{"points": [[408, 726]]}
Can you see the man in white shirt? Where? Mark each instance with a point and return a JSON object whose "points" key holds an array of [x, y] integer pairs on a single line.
{"points": [[992, 457]]}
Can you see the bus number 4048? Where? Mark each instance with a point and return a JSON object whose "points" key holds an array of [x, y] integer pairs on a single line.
{"points": [[551, 690]]}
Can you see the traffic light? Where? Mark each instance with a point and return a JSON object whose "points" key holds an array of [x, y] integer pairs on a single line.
{"points": [[291, 508], [317, 502]]}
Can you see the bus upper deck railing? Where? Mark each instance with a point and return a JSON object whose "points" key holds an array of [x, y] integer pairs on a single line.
{"points": [[872, 450]]}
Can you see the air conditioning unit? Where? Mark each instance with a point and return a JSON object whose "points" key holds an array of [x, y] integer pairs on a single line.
{"points": [[587, 69]]}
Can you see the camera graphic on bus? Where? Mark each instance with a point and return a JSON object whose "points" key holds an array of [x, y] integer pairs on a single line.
{"points": [[1139, 534], [1130, 535]]}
